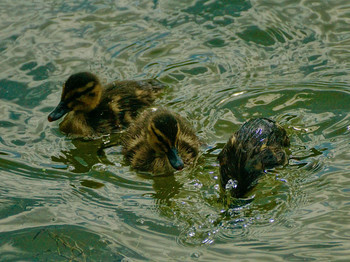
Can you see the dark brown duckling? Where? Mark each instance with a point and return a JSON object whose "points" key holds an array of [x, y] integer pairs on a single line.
{"points": [[258, 145], [93, 110], [160, 142]]}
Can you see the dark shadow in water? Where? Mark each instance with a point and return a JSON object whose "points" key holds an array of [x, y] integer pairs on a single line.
{"points": [[61, 243], [21, 94], [38, 72], [91, 184], [165, 187], [8, 42], [86, 154], [205, 10], [313, 153], [209, 9], [267, 37]]}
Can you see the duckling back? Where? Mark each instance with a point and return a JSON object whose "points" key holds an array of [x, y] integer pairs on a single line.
{"points": [[258, 145], [126, 99], [160, 142]]}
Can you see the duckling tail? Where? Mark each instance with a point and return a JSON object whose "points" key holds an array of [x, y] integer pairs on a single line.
{"points": [[154, 84]]}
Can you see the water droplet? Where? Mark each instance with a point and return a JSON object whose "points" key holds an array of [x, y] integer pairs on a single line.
{"points": [[191, 234], [231, 184], [141, 221], [99, 167], [195, 255], [208, 241]]}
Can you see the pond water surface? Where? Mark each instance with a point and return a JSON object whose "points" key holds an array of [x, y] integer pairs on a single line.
{"points": [[223, 61]]}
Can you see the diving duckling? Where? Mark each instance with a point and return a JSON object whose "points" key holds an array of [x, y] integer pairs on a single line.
{"points": [[160, 142], [93, 110], [258, 145]]}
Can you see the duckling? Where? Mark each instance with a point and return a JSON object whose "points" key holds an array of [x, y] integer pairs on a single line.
{"points": [[160, 142], [258, 145], [93, 110]]}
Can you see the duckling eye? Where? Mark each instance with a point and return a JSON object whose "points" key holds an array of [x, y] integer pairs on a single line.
{"points": [[91, 94]]}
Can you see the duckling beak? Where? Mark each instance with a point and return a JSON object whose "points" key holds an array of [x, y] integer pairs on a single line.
{"points": [[174, 159], [58, 112]]}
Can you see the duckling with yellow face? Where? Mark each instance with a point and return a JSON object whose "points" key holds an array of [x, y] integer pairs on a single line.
{"points": [[160, 142], [258, 145], [93, 110]]}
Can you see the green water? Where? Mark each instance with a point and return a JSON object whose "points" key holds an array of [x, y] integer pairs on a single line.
{"points": [[223, 62]]}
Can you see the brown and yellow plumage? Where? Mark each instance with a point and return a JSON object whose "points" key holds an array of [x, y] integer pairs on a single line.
{"points": [[258, 145], [160, 142], [93, 109]]}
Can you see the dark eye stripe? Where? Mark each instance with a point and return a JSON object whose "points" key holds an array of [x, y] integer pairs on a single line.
{"points": [[161, 139], [78, 94]]}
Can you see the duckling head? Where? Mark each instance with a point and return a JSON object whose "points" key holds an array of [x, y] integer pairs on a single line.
{"points": [[81, 93], [163, 133]]}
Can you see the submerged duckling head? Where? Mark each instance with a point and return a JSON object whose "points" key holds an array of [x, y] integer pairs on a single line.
{"points": [[163, 133], [81, 92]]}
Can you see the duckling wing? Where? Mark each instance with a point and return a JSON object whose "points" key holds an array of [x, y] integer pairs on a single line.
{"points": [[268, 157], [152, 84], [188, 142], [127, 98]]}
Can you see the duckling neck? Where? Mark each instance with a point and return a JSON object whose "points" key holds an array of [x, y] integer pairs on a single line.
{"points": [[76, 123]]}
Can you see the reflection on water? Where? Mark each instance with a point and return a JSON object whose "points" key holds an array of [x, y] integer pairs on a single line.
{"points": [[85, 154], [224, 62]]}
